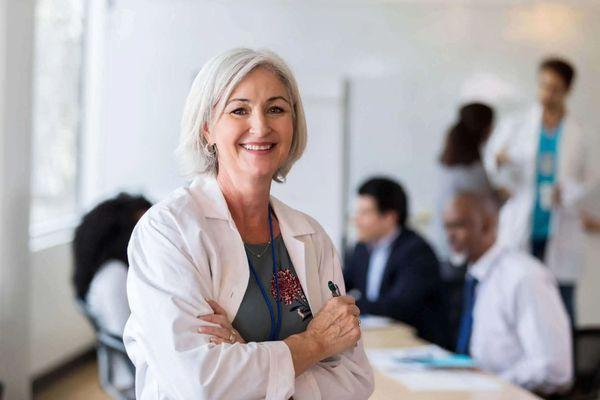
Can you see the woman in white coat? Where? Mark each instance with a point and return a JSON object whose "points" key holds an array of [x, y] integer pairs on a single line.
{"points": [[517, 161], [228, 287]]}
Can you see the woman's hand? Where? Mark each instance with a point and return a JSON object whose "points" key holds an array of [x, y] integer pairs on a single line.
{"points": [[224, 333], [334, 329]]}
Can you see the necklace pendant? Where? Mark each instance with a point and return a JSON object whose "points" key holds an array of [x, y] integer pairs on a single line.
{"points": [[259, 255]]}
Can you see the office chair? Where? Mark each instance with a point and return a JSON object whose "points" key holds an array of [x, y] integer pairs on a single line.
{"points": [[108, 348]]}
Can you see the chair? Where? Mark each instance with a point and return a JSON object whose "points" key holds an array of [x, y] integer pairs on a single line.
{"points": [[586, 355], [109, 347], [586, 342]]}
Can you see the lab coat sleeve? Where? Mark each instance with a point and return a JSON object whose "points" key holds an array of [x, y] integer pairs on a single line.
{"points": [[348, 375], [167, 290], [544, 332], [504, 138], [578, 178]]}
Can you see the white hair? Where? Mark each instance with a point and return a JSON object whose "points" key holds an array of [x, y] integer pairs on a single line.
{"points": [[208, 96]]}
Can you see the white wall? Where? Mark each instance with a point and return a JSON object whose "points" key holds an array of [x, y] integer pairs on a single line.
{"points": [[58, 331], [16, 38]]}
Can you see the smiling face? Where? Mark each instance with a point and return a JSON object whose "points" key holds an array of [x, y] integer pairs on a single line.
{"points": [[254, 133]]}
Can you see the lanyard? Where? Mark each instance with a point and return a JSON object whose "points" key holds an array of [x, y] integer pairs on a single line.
{"points": [[275, 324]]}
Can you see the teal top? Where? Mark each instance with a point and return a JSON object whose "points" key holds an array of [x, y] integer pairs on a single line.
{"points": [[253, 320], [545, 178]]}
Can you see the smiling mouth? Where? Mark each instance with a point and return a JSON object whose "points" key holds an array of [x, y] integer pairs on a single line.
{"points": [[258, 147]]}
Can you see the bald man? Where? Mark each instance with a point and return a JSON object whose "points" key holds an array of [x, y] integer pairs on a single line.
{"points": [[513, 322]]}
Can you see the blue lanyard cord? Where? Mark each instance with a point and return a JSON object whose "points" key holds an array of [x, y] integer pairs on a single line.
{"points": [[276, 276], [275, 326]]}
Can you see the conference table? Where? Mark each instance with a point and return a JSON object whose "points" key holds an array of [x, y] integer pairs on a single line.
{"points": [[387, 388]]}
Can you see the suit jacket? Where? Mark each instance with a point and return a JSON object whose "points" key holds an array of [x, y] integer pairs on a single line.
{"points": [[411, 289]]}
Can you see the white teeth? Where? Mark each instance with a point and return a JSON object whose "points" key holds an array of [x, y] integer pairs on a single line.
{"points": [[257, 147]]}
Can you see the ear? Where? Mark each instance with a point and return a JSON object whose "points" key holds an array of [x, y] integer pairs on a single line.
{"points": [[392, 217], [489, 223], [206, 132]]}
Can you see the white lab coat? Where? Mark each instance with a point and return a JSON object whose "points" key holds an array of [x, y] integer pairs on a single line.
{"points": [[187, 249], [520, 136]]}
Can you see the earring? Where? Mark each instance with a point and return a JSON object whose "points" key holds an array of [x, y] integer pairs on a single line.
{"points": [[210, 149]]}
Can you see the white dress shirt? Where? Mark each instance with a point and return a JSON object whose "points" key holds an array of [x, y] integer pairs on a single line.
{"points": [[380, 253], [186, 250], [520, 327]]}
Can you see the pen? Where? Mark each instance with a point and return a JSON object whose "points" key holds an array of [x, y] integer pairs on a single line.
{"points": [[335, 290]]}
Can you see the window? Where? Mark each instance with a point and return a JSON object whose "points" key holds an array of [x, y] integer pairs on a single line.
{"points": [[57, 111]]}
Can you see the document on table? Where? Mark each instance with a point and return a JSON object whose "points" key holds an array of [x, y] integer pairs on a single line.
{"points": [[430, 368], [375, 322], [446, 380]]}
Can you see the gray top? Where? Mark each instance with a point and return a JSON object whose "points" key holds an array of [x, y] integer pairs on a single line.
{"points": [[253, 320]]}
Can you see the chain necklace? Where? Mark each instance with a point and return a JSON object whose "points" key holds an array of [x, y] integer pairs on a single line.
{"points": [[261, 253]]}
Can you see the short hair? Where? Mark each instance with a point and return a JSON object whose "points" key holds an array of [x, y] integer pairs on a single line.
{"points": [[561, 67], [388, 195], [486, 202], [207, 98]]}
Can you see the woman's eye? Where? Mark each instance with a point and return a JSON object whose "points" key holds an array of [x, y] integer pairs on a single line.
{"points": [[239, 111], [276, 110]]}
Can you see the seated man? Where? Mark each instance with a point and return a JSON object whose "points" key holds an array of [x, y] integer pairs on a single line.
{"points": [[520, 329], [392, 271]]}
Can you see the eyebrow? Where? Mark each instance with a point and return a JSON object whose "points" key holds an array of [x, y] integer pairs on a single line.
{"points": [[269, 100]]}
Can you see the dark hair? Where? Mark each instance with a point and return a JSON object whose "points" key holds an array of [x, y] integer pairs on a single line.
{"points": [[388, 195], [464, 139], [561, 67], [103, 235]]}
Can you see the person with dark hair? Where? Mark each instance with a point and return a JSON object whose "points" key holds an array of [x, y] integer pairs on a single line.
{"points": [[512, 320], [539, 159], [461, 165], [100, 258], [392, 271]]}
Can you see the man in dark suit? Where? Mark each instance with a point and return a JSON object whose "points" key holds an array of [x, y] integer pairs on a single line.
{"points": [[392, 271]]}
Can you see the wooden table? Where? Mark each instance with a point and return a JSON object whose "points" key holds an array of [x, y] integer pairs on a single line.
{"points": [[387, 388]]}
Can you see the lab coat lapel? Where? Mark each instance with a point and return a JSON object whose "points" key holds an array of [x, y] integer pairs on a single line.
{"points": [[296, 233], [235, 272]]}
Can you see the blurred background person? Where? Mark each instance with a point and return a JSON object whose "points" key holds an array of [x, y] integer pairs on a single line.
{"points": [[460, 163], [392, 271], [513, 321], [539, 158], [100, 259]]}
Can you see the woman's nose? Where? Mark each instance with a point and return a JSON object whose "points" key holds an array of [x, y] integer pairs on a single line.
{"points": [[259, 125]]}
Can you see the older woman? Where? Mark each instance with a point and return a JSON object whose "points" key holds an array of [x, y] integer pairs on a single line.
{"points": [[228, 286]]}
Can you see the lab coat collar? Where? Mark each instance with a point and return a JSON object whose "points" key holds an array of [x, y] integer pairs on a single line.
{"points": [[207, 189]]}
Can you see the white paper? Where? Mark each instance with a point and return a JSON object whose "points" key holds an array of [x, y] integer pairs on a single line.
{"points": [[375, 322], [389, 359], [446, 381], [417, 378]]}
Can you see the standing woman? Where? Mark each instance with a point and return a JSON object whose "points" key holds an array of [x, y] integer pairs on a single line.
{"points": [[228, 286], [461, 166]]}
